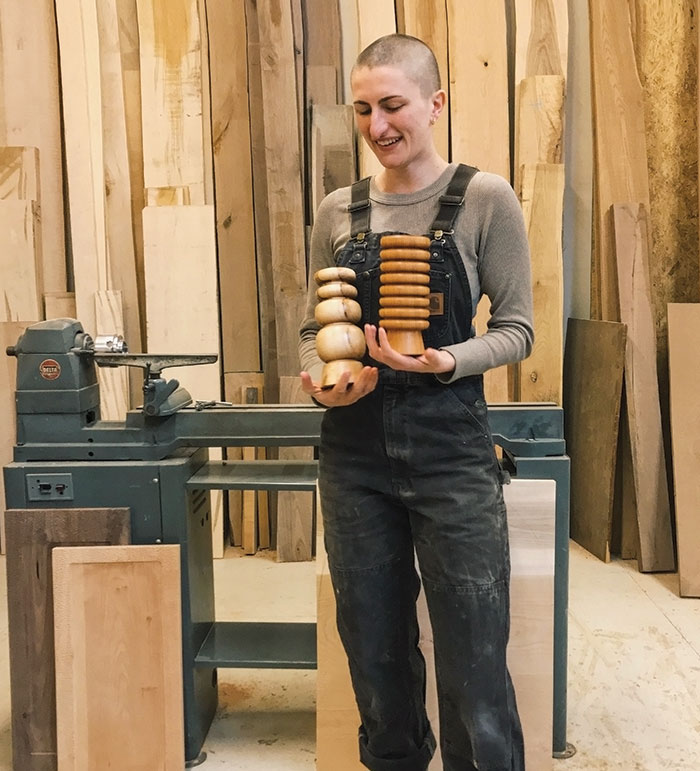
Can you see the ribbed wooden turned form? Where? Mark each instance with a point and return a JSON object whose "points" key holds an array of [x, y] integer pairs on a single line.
{"points": [[404, 290], [339, 342]]}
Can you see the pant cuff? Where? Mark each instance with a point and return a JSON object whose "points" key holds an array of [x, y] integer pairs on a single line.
{"points": [[417, 761]]}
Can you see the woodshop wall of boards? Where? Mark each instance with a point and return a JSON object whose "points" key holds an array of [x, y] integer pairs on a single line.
{"points": [[161, 162]]}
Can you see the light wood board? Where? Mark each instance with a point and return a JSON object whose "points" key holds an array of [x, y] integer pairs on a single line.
{"points": [[479, 85], [531, 506], [30, 115], [541, 38], [121, 255], [428, 22], [19, 173], [332, 150], [114, 381], [59, 305], [31, 536], [20, 260], [643, 407], [620, 151], [171, 95], [593, 370], [322, 49], [684, 365], [540, 375], [285, 201], [182, 306], [235, 222], [118, 639]]}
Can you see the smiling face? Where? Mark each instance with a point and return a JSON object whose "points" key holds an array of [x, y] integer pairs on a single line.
{"points": [[394, 116]]}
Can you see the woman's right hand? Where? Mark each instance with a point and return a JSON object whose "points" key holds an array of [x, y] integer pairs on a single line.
{"points": [[343, 393]]}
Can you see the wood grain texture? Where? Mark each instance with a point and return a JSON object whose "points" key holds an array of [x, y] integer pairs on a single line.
{"points": [[120, 255], [59, 305], [295, 510], [620, 148], [254, 505], [684, 364], [233, 190], [171, 95], [539, 122], [285, 201], [541, 41], [266, 293], [19, 173], [20, 260], [30, 115], [531, 507], [428, 21], [479, 85], [593, 371], [497, 382], [78, 37], [540, 375], [31, 536], [118, 639], [189, 285], [375, 18], [643, 408], [322, 52]]}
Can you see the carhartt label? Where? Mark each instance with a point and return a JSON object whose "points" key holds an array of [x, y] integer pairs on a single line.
{"points": [[50, 369], [437, 303]]}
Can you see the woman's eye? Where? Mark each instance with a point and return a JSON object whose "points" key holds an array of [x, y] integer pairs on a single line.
{"points": [[393, 107], [362, 112]]}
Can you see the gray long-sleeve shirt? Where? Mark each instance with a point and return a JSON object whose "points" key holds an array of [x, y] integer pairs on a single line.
{"points": [[490, 235]]}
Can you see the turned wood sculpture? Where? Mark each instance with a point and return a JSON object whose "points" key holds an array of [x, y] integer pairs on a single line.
{"points": [[340, 342], [403, 302]]}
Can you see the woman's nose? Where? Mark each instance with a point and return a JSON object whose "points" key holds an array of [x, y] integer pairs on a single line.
{"points": [[377, 124]]}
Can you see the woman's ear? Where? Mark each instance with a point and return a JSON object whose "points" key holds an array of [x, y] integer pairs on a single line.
{"points": [[438, 100]]}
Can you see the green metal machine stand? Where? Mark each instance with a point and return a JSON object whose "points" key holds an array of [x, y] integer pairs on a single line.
{"points": [[156, 463]]}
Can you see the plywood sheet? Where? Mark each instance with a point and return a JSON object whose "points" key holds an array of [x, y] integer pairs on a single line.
{"points": [[171, 95], [593, 371], [235, 222], [643, 407], [20, 260], [684, 366], [541, 196], [531, 507], [285, 201], [30, 115], [31, 536], [428, 22], [479, 85], [620, 150], [295, 511], [118, 638]]}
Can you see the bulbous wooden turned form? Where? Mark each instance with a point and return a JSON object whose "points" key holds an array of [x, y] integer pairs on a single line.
{"points": [[340, 342], [403, 302]]}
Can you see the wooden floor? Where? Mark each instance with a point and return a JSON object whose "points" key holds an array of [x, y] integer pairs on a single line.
{"points": [[634, 671]]}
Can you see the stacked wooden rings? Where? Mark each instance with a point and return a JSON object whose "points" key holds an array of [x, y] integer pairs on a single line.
{"points": [[404, 291], [340, 342]]}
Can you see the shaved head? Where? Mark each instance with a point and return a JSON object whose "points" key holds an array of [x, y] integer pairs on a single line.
{"points": [[409, 54]]}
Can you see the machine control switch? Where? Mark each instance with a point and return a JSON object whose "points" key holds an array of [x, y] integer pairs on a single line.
{"points": [[49, 487]]}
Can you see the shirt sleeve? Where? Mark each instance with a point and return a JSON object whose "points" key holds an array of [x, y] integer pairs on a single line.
{"points": [[504, 273]]}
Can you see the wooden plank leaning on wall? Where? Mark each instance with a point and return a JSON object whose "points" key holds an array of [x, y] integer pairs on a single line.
{"points": [[30, 115], [642, 389], [31, 536], [479, 81], [684, 364], [593, 368], [117, 604]]}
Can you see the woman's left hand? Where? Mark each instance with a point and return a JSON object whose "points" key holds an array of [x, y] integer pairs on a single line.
{"points": [[432, 360]]}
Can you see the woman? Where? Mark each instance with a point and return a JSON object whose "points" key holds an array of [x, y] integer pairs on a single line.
{"points": [[407, 466]]}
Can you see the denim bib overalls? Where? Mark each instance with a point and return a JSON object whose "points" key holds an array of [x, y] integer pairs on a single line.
{"points": [[411, 466]]}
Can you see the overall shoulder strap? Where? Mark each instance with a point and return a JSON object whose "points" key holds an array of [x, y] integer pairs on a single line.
{"points": [[453, 199], [359, 207]]}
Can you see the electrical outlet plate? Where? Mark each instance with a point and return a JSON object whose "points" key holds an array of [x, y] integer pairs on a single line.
{"points": [[49, 487]]}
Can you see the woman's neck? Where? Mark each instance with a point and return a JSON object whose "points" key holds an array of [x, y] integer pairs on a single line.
{"points": [[412, 178]]}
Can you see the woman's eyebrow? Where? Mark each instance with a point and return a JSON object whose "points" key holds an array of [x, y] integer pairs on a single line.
{"points": [[383, 99]]}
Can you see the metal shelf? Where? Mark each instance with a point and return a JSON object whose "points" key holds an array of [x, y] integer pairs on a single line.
{"points": [[255, 475]]}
